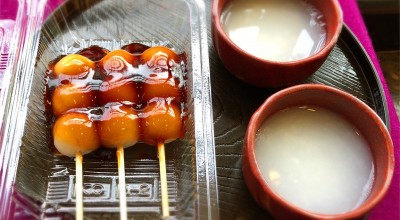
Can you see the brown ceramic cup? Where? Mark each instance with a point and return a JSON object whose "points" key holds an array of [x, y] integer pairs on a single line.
{"points": [[357, 112], [265, 73]]}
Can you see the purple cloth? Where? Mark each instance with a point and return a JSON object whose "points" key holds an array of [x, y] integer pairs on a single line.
{"points": [[389, 207]]}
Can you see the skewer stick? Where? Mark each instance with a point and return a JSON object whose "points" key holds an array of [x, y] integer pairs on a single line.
{"points": [[79, 186], [163, 178], [122, 187]]}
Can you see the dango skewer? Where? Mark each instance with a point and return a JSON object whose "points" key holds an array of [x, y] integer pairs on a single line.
{"points": [[119, 128], [161, 119], [75, 135], [161, 123]]}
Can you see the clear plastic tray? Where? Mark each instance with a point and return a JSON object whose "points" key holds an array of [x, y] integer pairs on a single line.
{"points": [[37, 184]]}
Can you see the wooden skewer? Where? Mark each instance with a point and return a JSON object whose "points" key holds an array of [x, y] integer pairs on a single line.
{"points": [[122, 185], [79, 186], [163, 178]]}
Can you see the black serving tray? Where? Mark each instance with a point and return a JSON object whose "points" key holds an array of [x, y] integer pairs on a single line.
{"points": [[348, 68]]}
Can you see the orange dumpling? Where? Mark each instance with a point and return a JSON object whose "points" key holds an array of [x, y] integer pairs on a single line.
{"points": [[75, 132], [73, 65], [160, 82], [159, 56], [119, 126], [117, 61], [69, 96], [118, 91], [161, 122], [160, 85]]}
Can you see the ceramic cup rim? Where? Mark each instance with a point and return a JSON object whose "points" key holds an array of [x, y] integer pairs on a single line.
{"points": [[249, 152], [216, 17]]}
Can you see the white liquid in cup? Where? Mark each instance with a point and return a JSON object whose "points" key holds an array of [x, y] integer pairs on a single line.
{"points": [[276, 30], [315, 159]]}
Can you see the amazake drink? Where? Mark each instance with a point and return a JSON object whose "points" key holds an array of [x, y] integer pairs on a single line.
{"points": [[276, 30], [315, 159]]}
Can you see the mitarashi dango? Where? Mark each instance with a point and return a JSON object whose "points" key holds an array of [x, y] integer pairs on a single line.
{"points": [[119, 126], [74, 133], [117, 61], [159, 56], [160, 82], [73, 65], [161, 122], [69, 96], [118, 91]]}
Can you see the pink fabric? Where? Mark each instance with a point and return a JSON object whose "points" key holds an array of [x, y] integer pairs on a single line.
{"points": [[8, 9], [389, 207]]}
